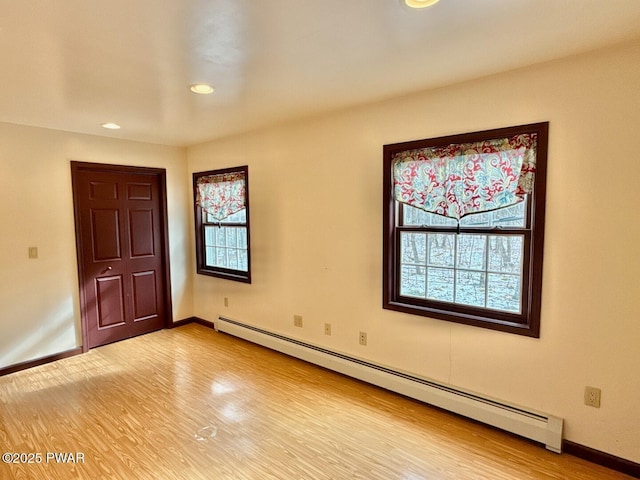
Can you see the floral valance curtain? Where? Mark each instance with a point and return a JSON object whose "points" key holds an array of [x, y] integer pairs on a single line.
{"points": [[461, 179], [221, 195]]}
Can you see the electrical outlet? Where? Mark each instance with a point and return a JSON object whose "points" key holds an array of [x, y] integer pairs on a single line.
{"points": [[327, 329], [362, 339], [226, 301], [297, 320], [592, 396], [33, 252]]}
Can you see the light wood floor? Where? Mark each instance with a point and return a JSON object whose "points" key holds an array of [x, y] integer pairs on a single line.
{"points": [[190, 403]]}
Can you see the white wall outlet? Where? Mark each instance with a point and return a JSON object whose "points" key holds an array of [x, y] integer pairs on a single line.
{"points": [[592, 396], [327, 329], [297, 321], [362, 338]]}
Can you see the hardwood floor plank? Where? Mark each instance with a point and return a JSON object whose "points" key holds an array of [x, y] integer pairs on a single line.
{"points": [[190, 403]]}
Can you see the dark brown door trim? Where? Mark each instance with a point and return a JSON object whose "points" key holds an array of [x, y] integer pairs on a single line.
{"points": [[161, 174]]}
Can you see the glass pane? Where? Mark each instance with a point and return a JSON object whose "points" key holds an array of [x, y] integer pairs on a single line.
{"points": [[210, 255], [470, 288], [232, 236], [226, 247], [476, 220], [412, 281], [238, 217], [221, 257], [232, 256], [472, 251], [242, 237], [221, 236], [513, 216], [415, 216], [441, 248], [209, 236], [505, 253], [440, 285], [413, 248], [243, 261], [504, 292]]}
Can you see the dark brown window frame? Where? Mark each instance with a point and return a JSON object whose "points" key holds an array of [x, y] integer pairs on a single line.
{"points": [[528, 322], [201, 267]]}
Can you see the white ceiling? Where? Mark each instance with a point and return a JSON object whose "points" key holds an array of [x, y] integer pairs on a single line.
{"points": [[75, 64]]}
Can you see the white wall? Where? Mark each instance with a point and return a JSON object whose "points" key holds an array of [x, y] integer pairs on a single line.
{"points": [[316, 218], [39, 303]]}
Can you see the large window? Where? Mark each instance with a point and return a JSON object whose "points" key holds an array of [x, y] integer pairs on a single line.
{"points": [[222, 223], [464, 227]]}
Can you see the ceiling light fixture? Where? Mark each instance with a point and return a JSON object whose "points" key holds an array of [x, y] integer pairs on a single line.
{"points": [[201, 88], [420, 3], [111, 126]]}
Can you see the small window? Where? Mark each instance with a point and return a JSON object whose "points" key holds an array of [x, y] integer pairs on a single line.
{"points": [[464, 227], [222, 223]]}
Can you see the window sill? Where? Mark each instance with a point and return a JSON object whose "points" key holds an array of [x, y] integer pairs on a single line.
{"points": [[464, 318], [228, 275]]}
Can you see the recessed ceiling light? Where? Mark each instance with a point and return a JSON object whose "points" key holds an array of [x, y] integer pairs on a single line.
{"points": [[201, 88], [420, 3], [111, 126]]}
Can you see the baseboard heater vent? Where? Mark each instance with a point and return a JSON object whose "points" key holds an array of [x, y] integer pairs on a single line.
{"points": [[537, 426]]}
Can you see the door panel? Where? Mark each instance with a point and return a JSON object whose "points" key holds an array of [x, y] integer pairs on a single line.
{"points": [[141, 232], [145, 302], [105, 234], [139, 191], [110, 302], [144, 259], [121, 253], [103, 190]]}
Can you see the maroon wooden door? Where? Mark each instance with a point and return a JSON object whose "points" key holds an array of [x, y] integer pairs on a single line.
{"points": [[120, 249]]}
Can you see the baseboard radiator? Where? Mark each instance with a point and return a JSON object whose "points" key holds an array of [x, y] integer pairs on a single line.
{"points": [[537, 426]]}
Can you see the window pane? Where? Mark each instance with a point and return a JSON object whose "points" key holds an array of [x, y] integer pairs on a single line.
{"points": [[474, 256], [238, 217], [412, 281], [415, 216], [476, 220], [513, 216], [505, 254], [221, 237], [413, 248], [209, 236], [221, 257], [232, 236], [504, 292], [472, 250], [441, 249], [226, 247], [470, 288], [210, 256], [232, 256], [440, 284], [243, 260], [242, 237]]}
